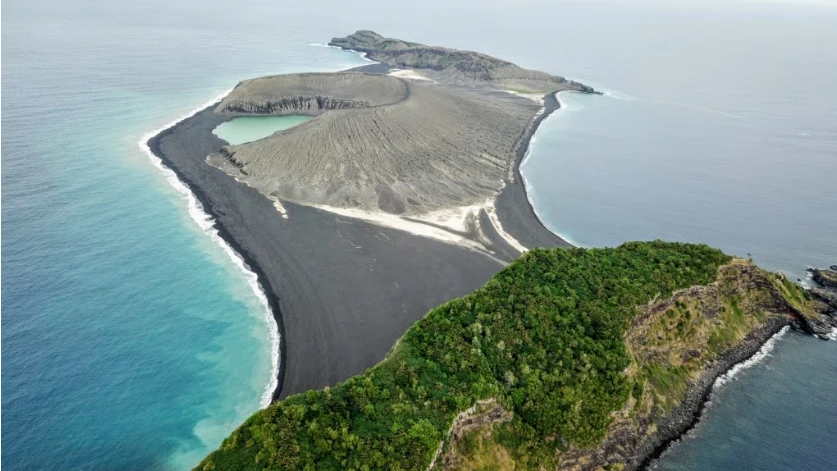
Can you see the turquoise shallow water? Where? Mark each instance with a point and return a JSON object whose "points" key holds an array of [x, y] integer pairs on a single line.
{"points": [[252, 128], [130, 340]]}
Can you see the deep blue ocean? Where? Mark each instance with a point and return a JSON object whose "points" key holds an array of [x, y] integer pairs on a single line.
{"points": [[131, 339]]}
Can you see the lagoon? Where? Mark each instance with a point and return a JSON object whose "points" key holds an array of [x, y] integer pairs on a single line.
{"points": [[252, 128]]}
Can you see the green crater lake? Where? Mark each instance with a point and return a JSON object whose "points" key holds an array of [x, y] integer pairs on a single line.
{"points": [[252, 128]]}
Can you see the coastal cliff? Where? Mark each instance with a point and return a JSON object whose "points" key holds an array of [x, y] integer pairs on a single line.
{"points": [[679, 347], [567, 359]]}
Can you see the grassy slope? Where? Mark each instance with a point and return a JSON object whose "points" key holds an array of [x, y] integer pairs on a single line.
{"points": [[671, 341], [545, 337]]}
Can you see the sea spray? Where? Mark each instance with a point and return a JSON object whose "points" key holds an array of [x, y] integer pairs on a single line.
{"points": [[207, 225]]}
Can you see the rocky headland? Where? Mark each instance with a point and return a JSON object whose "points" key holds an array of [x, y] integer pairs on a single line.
{"points": [[545, 367]]}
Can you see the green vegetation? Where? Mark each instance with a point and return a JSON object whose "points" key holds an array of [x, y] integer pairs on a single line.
{"points": [[545, 337]]}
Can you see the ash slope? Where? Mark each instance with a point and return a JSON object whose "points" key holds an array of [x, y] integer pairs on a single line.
{"points": [[379, 142], [453, 65]]}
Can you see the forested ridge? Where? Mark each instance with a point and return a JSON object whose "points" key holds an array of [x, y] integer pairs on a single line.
{"points": [[545, 337]]}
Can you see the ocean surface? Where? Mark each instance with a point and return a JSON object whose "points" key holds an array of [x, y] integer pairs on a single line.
{"points": [[133, 339], [252, 128]]}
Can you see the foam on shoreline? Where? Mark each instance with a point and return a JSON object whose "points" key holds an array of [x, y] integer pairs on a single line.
{"points": [[760, 355], [531, 144], [207, 225]]}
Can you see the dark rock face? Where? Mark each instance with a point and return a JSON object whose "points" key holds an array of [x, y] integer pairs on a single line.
{"points": [[635, 442], [297, 104], [829, 297], [312, 93], [827, 292], [454, 66]]}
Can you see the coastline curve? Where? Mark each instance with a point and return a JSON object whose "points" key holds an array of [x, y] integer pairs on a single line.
{"points": [[206, 221]]}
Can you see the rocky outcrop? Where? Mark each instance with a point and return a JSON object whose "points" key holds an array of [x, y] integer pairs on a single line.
{"points": [[681, 346], [828, 298], [453, 65], [484, 414], [293, 105], [826, 278], [826, 293], [744, 294], [312, 93]]}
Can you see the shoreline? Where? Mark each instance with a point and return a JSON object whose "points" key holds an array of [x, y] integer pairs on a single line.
{"points": [[559, 106], [688, 415], [240, 257], [513, 203]]}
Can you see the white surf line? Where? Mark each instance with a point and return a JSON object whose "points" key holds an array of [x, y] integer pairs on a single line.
{"points": [[324, 45], [725, 378], [526, 185], [763, 353], [363, 55], [207, 225]]}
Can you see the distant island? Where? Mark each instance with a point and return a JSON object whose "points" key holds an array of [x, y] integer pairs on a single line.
{"points": [[402, 195]]}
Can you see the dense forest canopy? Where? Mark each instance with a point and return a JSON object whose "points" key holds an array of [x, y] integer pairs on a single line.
{"points": [[544, 337]]}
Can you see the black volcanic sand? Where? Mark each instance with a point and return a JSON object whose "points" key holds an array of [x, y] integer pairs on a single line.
{"points": [[512, 205], [342, 290]]}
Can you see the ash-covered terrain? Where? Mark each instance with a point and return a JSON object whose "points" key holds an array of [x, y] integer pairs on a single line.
{"points": [[385, 143]]}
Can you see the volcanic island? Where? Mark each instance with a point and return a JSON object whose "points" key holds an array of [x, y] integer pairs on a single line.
{"points": [[427, 317]]}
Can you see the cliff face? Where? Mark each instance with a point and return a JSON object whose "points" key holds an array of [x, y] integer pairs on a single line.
{"points": [[679, 346], [312, 93], [454, 66]]}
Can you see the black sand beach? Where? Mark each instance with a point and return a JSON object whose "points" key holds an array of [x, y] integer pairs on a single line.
{"points": [[512, 205], [342, 290]]}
